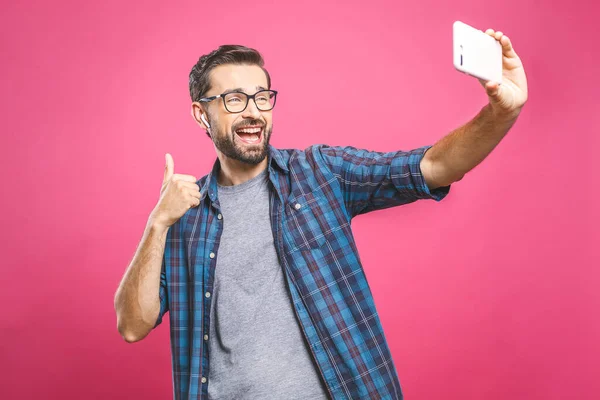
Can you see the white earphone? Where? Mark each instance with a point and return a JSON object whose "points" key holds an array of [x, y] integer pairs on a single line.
{"points": [[205, 121]]}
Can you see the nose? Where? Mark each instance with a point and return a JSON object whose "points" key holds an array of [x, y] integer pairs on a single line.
{"points": [[251, 110]]}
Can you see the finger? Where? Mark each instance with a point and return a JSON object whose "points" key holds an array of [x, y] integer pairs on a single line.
{"points": [[507, 48], [169, 165], [190, 186], [184, 177], [490, 32], [498, 35], [493, 89], [194, 202], [194, 193]]}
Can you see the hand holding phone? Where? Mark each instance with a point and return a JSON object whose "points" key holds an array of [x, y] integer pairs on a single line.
{"points": [[476, 53]]}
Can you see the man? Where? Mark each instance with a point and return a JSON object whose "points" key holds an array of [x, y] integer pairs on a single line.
{"points": [[256, 261]]}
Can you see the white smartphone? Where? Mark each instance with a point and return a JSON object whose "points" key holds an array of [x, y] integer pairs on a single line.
{"points": [[476, 53]]}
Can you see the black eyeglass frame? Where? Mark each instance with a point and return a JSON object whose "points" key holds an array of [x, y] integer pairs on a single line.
{"points": [[248, 97]]}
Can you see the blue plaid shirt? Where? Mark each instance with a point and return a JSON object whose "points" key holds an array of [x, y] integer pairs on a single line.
{"points": [[314, 193]]}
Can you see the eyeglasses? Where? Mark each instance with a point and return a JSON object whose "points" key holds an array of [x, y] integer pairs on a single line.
{"points": [[236, 102]]}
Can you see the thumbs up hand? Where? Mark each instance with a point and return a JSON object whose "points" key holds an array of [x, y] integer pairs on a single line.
{"points": [[178, 194]]}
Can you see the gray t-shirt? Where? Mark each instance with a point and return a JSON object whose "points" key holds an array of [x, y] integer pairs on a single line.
{"points": [[256, 347]]}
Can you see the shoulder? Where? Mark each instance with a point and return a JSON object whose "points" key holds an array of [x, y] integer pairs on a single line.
{"points": [[305, 159], [299, 157]]}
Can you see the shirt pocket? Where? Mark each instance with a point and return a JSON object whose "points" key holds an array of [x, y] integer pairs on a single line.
{"points": [[303, 216]]}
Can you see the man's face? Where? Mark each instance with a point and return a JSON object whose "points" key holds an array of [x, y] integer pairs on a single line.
{"points": [[225, 126]]}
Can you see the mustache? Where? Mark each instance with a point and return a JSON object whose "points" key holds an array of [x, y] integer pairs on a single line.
{"points": [[246, 125]]}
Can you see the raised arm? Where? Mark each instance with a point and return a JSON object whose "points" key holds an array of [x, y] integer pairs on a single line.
{"points": [[141, 299], [464, 148], [372, 180]]}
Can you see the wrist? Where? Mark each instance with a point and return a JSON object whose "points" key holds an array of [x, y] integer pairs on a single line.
{"points": [[157, 224], [501, 115]]}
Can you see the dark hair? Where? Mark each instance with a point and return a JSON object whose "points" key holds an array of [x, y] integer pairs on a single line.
{"points": [[226, 54]]}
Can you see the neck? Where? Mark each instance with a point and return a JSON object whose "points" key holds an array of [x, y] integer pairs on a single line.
{"points": [[234, 172]]}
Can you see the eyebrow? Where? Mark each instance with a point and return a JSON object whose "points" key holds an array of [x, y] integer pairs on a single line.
{"points": [[239, 89]]}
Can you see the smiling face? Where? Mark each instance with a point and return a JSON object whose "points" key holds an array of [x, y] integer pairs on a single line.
{"points": [[234, 134]]}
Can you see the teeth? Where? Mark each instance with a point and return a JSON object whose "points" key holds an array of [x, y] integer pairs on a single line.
{"points": [[254, 130]]}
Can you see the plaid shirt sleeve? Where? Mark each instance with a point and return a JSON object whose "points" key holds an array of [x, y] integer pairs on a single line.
{"points": [[372, 180], [164, 300]]}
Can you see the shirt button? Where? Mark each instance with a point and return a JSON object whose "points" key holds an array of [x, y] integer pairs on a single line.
{"points": [[297, 206], [219, 216], [205, 337], [207, 294], [203, 379], [212, 255]]}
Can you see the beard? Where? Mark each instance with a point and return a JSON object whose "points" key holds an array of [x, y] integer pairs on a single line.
{"points": [[233, 148]]}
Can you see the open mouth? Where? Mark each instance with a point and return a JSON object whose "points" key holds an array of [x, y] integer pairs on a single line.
{"points": [[250, 135]]}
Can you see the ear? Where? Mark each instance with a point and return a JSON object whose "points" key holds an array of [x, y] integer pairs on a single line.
{"points": [[196, 112]]}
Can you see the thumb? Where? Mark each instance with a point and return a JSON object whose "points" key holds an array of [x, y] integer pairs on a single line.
{"points": [[493, 89], [168, 167]]}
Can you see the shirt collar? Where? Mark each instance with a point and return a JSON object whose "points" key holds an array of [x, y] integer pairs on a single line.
{"points": [[210, 184]]}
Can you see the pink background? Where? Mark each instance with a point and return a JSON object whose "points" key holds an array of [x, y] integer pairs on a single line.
{"points": [[496, 292]]}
